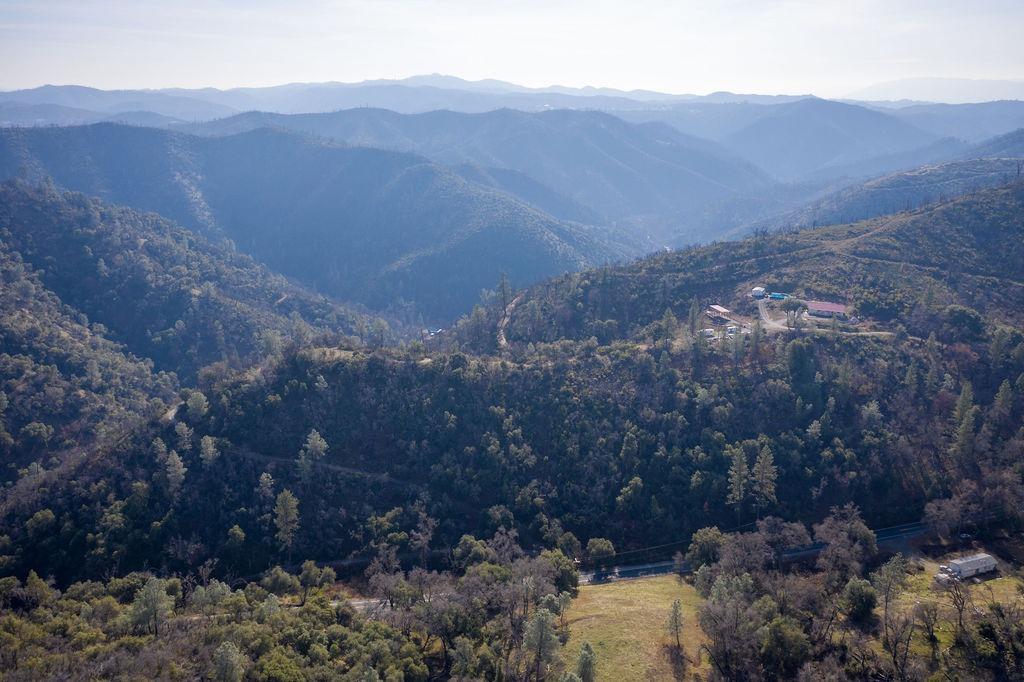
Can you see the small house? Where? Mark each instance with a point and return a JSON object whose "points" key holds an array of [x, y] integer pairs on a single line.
{"points": [[757, 292]]}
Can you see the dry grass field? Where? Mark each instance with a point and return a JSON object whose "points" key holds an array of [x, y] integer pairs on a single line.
{"points": [[625, 623]]}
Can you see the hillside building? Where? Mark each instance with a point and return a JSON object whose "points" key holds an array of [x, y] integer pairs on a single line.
{"points": [[718, 314], [826, 309]]}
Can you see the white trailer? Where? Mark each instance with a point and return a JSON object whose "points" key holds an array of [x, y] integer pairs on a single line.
{"points": [[970, 566]]}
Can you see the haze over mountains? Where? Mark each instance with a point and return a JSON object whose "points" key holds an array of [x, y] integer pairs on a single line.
{"points": [[616, 168], [419, 203]]}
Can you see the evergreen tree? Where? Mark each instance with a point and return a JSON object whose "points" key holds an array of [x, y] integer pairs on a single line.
{"points": [[675, 625], [314, 449], [586, 665], [208, 451], [669, 324], [174, 471], [964, 404], [763, 479], [541, 642], [694, 318], [739, 478], [229, 663], [286, 519], [197, 405]]}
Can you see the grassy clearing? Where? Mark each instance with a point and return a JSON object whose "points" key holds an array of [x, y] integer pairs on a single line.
{"points": [[625, 623], [921, 587]]}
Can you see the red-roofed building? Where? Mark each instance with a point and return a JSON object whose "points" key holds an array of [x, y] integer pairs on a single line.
{"points": [[826, 309]]}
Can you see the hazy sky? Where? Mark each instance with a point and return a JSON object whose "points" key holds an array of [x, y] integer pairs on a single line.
{"points": [[826, 47]]}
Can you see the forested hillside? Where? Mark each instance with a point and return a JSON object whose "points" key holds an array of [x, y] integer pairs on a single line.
{"points": [[814, 136], [581, 436], [617, 169], [382, 460], [63, 384], [902, 191], [912, 271], [380, 228], [166, 293]]}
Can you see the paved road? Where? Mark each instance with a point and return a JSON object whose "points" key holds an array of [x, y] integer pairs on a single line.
{"points": [[884, 536]]}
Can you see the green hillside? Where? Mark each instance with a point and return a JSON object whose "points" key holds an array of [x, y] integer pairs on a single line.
{"points": [[381, 228], [166, 293], [904, 270]]}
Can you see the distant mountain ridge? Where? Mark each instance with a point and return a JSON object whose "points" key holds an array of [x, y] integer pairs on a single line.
{"points": [[943, 90], [811, 136], [360, 224], [613, 167]]}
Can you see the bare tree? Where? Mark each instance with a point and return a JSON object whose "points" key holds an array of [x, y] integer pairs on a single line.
{"points": [[927, 614], [960, 598]]}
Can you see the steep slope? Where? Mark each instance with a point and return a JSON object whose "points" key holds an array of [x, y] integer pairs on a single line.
{"points": [[810, 136], [992, 163], [63, 383], [165, 293], [905, 269], [635, 440], [616, 168], [972, 122], [533, 192], [1010, 145], [360, 224], [901, 191]]}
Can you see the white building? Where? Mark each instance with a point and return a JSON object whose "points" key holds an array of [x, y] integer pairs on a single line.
{"points": [[758, 292], [970, 566]]}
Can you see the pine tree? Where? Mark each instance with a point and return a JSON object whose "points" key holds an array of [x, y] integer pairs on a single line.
{"points": [[763, 479], [963, 445], [286, 519], [675, 625], [229, 663], [541, 641], [1002, 406], [174, 470], [311, 453], [694, 318], [208, 451], [586, 665], [669, 324], [963, 404], [739, 475]]}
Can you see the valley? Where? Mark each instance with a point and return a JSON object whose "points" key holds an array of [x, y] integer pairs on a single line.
{"points": [[429, 378]]}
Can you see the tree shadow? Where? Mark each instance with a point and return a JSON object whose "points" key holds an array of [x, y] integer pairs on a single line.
{"points": [[678, 661]]}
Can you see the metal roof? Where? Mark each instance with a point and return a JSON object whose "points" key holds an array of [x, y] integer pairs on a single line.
{"points": [[719, 309], [826, 307], [974, 560]]}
